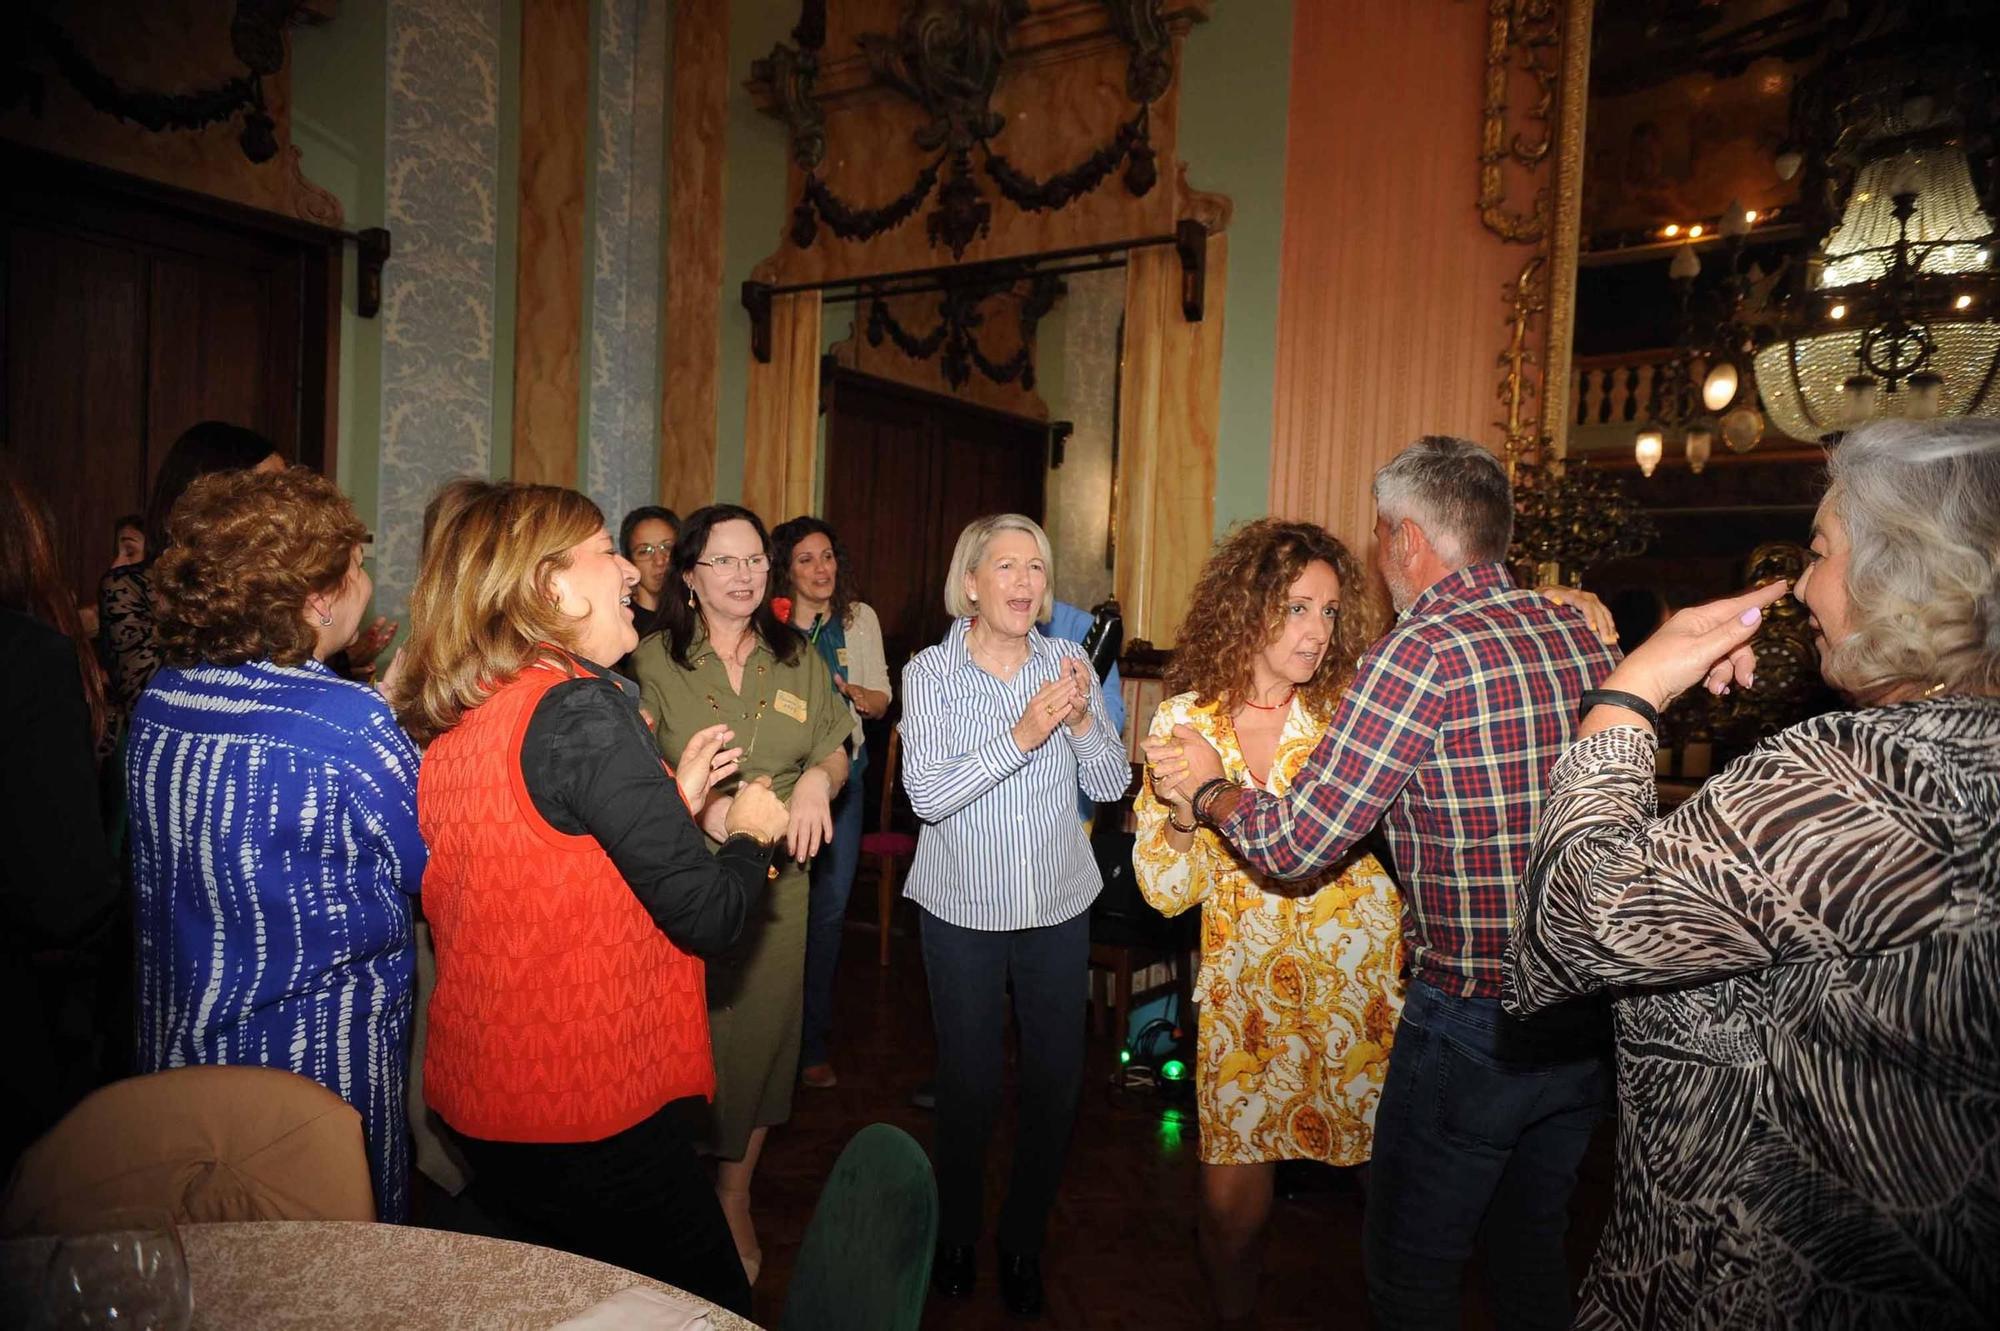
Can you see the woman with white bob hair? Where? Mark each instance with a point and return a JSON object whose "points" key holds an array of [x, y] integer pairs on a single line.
{"points": [[1806, 955], [1001, 727]]}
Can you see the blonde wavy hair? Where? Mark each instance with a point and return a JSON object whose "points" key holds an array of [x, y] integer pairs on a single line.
{"points": [[483, 609], [1237, 609], [1920, 503]]}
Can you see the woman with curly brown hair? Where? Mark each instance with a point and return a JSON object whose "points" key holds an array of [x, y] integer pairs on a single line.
{"points": [[1299, 986], [273, 810]]}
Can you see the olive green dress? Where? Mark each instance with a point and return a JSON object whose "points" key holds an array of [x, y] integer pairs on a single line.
{"points": [[787, 718]]}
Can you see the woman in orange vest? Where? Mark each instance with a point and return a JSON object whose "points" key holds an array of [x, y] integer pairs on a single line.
{"points": [[570, 893]]}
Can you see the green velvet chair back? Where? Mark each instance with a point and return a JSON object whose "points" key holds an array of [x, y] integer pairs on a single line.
{"points": [[865, 1264]]}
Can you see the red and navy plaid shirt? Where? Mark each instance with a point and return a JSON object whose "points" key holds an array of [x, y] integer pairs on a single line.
{"points": [[1446, 738]]}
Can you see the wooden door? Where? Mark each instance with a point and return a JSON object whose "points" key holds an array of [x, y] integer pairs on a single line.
{"points": [[906, 470], [129, 315]]}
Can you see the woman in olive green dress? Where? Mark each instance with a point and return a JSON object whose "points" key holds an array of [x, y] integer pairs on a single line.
{"points": [[723, 655]]}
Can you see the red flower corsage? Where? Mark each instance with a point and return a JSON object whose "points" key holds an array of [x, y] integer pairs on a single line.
{"points": [[781, 606]]}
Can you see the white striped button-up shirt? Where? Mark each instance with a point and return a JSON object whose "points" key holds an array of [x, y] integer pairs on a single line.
{"points": [[1001, 847]]}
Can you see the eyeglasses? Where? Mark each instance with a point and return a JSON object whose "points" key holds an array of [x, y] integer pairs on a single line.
{"points": [[651, 548], [727, 564]]}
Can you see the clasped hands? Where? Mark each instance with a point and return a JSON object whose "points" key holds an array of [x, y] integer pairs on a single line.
{"points": [[708, 760], [1180, 764], [1064, 700]]}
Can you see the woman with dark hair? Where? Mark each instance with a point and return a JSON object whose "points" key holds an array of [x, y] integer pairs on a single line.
{"points": [[646, 537], [811, 570], [273, 810], [1300, 982], [124, 597], [557, 834], [724, 657], [57, 884]]}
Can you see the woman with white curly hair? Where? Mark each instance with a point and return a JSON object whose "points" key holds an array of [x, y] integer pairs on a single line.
{"points": [[1807, 953]]}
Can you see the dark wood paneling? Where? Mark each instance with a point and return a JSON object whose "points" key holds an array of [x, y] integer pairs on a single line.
{"points": [[130, 313], [905, 472], [75, 372]]}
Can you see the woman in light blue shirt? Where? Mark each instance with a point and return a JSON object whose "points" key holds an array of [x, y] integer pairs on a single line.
{"points": [[1001, 729]]}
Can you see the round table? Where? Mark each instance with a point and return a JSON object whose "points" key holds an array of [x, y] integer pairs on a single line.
{"points": [[314, 1274]]}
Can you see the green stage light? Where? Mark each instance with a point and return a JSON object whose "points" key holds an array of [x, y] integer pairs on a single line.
{"points": [[1125, 1055], [1174, 1070]]}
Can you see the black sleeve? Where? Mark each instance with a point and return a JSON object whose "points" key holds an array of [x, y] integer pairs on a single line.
{"points": [[125, 629], [590, 767], [60, 883]]}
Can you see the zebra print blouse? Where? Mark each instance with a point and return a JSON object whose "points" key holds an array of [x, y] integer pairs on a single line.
{"points": [[1806, 960]]}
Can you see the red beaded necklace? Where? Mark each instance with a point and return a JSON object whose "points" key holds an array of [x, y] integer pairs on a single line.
{"points": [[1282, 702]]}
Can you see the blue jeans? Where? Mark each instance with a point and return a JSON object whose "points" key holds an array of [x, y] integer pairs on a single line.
{"points": [[832, 883], [1483, 1120], [968, 971]]}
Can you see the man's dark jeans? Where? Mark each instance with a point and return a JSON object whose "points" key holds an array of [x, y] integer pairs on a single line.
{"points": [[1483, 1120]]}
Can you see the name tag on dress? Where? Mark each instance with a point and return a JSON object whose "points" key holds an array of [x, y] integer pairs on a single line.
{"points": [[791, 704], [841, 654]]}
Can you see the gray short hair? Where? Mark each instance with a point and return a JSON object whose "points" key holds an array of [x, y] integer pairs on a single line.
{"points": [[1920, 503], [971, 551], [1456, 491]]}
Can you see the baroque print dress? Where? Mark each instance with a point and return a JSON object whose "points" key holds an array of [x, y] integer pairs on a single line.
{"points": [[1300, 984]]}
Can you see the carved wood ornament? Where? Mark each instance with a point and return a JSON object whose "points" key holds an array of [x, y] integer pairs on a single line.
{"points": [[256, 36], [192, 94], [946, 57]]}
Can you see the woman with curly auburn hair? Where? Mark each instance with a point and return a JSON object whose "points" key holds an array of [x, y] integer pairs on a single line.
{"points": [[273, 810], [558, 834], [1300, 982]]}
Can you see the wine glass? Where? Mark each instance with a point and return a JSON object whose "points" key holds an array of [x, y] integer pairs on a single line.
{"points": [[122, 1269]]}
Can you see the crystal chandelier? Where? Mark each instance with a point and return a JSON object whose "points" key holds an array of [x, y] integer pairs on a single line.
{"points": [[1896, 314]]}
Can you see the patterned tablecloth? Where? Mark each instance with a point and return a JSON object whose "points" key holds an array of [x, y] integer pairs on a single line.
{"points": [[323, 1275]]}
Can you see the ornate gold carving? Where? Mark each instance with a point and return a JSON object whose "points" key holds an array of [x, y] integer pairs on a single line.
{"points": [[1529, 32], [1566, 237], [1526, 297]]}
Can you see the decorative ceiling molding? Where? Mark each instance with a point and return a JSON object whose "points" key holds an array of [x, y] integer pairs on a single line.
{"points": [[256, 38], [948, 57]]}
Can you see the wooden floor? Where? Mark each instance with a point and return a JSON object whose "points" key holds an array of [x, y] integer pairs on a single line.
{"points": [[1121, 1250]]}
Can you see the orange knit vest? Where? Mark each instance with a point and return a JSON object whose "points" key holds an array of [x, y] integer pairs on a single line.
{"points": [[562, 1013]]}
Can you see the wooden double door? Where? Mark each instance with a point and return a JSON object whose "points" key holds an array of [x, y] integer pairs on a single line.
{"points": [[906, 470], [132, 312]]}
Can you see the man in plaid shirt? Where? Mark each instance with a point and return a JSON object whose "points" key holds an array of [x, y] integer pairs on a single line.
{"points": [[1446, 737]]}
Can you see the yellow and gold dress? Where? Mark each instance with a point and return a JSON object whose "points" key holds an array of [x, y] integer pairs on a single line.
{"points": [[1300, 983]]}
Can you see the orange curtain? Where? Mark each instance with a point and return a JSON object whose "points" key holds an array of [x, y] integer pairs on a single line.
{"points": [[781, 416], [1390, 317], [1168, 419]]}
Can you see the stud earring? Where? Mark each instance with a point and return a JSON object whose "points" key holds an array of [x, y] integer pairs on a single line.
{"points": [[326, 621]]}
